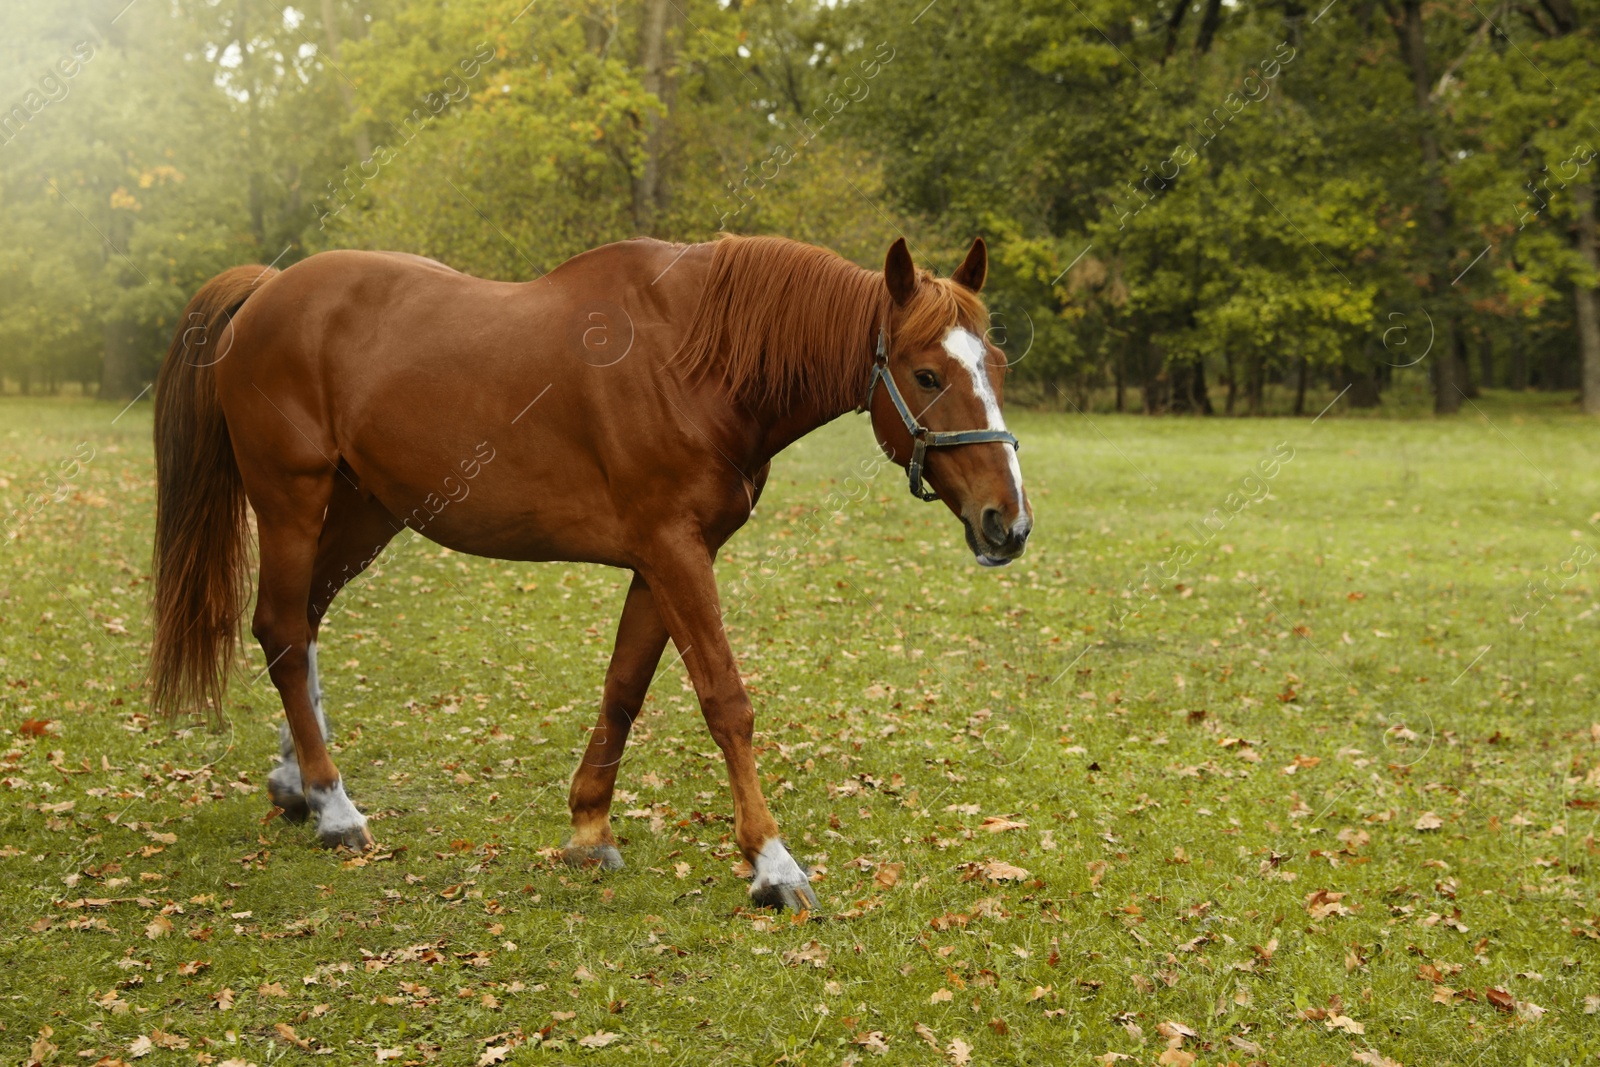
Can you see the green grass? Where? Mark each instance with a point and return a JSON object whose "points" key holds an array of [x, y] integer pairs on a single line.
{"points": [[1333, 629]]}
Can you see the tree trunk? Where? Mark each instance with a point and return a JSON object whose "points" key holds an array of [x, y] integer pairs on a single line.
{"points": [[1446, 392], [361, 140], [1586, 301], [1174, 23], [1518, 359], [655, 57], [119, 371], [1300, 386], [1208, 26], [1464, 382], [1122, 377], [1486, 361], [1414, 46]]}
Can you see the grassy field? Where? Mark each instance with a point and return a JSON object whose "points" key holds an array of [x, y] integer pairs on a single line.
{"points": [[1319, 788]]}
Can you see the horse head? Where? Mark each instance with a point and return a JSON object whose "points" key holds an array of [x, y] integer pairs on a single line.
{"points": [[938, 409]]}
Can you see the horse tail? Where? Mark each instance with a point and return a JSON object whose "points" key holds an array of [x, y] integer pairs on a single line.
{"points": [[202, 544]]}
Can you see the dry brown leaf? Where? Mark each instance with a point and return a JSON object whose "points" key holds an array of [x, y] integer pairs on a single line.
{"points": [[926, 1035], [873, 1041], [1335, 1021], [998, 824], [1174, 1031], [1001, 871], [286, 1032], [1374, 1059], [598, 1039], [888, 874], [810, 953], [1427, 821], [1324, 903], [41, 1050], [959, 1051]]}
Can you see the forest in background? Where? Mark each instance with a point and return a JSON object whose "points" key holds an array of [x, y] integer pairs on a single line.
{"points": [[1190, 205]]}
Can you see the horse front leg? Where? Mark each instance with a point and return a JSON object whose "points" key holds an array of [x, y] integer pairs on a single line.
{"points": [[686, 593], [641, 637]]}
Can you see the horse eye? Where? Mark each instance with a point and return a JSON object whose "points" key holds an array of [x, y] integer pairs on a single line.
{"points": [[927, 379]]}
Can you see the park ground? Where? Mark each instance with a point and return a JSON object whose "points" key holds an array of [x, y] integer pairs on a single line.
{"points": [[1316, 784]]}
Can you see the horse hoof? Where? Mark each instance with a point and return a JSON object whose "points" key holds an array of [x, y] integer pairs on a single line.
{"points": [[356, 838], [606, 857], [798, 897]]}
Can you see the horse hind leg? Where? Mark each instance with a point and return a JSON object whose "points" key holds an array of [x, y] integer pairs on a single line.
{"points": [[355, 530], [641, 637], [290, 510], [284, 785]]}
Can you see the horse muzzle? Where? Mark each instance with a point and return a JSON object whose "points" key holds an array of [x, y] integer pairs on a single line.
{"points": [[993, 541]]}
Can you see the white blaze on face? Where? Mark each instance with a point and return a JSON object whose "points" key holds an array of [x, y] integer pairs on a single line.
{"points": [[966, 349]]}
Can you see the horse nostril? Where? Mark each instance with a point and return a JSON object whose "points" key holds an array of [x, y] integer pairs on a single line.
{"points": [[994, 527]]}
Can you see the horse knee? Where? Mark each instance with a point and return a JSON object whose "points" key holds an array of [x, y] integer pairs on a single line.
{"points": [[731, 724]]}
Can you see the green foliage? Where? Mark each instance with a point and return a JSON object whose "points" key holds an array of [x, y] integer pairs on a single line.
{"points": [[1176, 196]]}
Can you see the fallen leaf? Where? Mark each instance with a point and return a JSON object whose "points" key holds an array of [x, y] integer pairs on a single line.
{"points": [[874, 1042], [1336, 1021], [1374, 1059], [42, 1049], [1324, 903], [1001, 871], [926, 1035], [494, 1054], [286, 1032], [940, 996], [1174, 1031], [888, 874], [810, 953], [158, 927], [1501, 999], [998, 824], [959, 1051], [598, 1039], [1427, 821]]}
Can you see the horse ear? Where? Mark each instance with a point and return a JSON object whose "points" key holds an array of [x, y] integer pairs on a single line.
{"points": [[899, 272], [974, 268]]}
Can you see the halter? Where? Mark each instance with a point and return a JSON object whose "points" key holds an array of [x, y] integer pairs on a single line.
{"points": [[923, 438]]}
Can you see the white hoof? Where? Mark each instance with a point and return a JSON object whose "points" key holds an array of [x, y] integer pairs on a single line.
{"points": [[779, 881], [338, 821]]}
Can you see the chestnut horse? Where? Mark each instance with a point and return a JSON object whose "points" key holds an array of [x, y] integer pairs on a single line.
{"points": [[624, 410]]}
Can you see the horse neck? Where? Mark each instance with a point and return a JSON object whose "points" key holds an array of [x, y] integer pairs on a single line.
{"points": [[780, 429]]}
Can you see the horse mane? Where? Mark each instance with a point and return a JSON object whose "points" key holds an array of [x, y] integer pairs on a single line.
{"points": [[790, 324]]}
